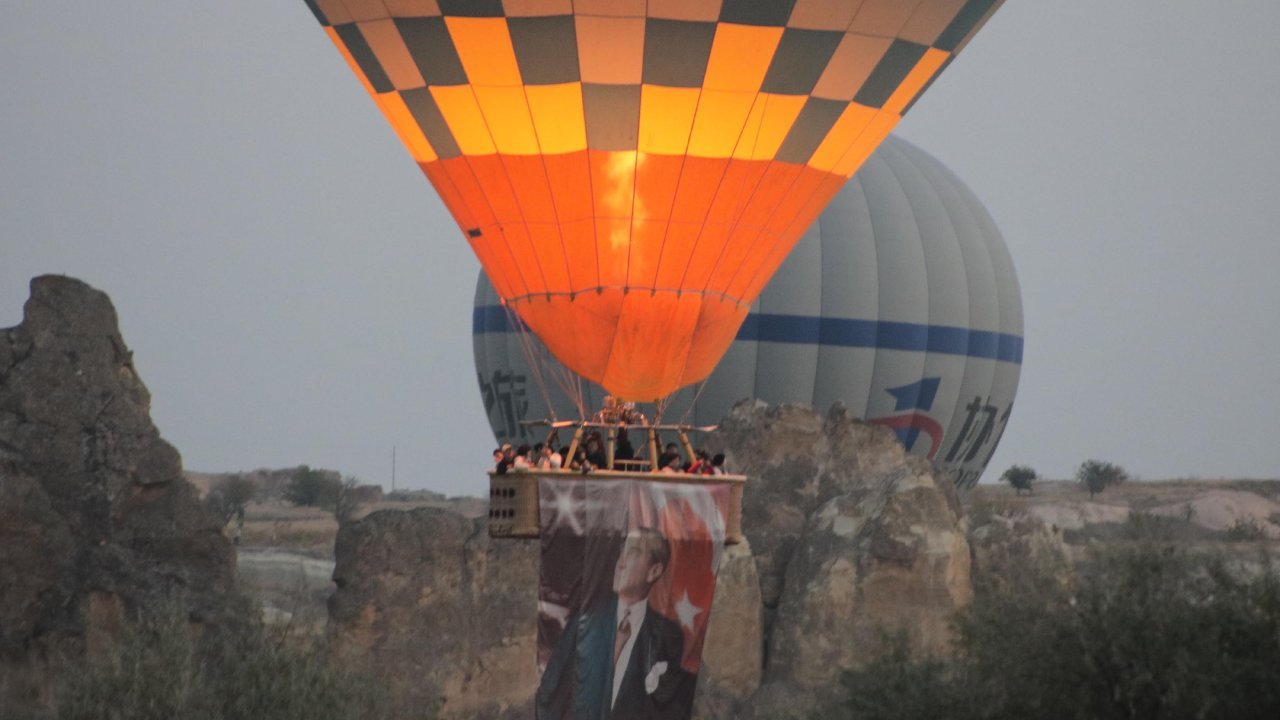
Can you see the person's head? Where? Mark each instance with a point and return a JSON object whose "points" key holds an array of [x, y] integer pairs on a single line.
{"points": [[718, 460], [523, 451], [675, 462], [497, 455], [673, 448], [644, 557], [545, 452], [537, 448], [508, 451]]}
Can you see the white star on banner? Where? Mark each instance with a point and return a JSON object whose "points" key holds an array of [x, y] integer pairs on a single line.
{"points": [[564, 505], [687, 611]]}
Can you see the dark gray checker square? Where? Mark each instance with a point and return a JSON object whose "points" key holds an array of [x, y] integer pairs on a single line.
{"points": [[813, 123], [364, 57], [963, 23], [315, 10], [889, 73], [472, 8], [676, 52], [424, 109], [546, 49], [432, 49], [612, 116], [757, 12], [799, 61]]}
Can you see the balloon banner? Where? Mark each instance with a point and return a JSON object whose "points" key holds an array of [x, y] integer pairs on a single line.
{"points": [[628, 575]]}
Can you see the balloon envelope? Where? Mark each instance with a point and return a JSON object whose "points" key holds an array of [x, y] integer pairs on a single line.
{"points": [[900, 302], [630, 173]]}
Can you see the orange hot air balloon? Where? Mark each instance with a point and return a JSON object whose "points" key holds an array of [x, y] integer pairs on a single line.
{"points": [[630, 173]]}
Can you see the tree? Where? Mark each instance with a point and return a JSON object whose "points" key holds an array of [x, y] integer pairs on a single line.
{"points": [[1097, 475], [229, 498], [313, 488], [1143, 630], [1020, 477], [347, 501]]}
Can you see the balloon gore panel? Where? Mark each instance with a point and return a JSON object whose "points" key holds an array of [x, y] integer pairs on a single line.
{"points": [[665, 155]]}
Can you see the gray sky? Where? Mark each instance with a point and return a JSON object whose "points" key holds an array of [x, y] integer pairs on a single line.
{"points": [[294, 292]]}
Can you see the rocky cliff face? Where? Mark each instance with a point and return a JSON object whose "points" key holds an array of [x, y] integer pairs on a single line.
{"points": [[847, 535], [444, 615], [96, 522]]}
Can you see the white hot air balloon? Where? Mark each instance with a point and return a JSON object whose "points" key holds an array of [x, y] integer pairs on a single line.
{"points": [[900, 302]]}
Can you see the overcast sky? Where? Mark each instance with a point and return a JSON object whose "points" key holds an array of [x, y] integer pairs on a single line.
{"points": [[294, 292]]}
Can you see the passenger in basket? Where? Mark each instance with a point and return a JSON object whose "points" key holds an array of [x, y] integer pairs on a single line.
{"points": [[624, 451], [508, 459], [522, 458]]}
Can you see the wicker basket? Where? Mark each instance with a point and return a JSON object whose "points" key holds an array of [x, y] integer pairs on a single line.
{"points": [[513, 498]]}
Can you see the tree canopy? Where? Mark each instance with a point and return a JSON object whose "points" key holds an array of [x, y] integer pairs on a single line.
{"points": [[1097, 475]]}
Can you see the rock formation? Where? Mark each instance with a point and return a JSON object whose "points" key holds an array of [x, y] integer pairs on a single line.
{"points": [[848, 536], [96, 522], [445, 616], [852, 537]]}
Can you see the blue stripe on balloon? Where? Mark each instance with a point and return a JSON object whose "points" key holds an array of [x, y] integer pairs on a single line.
{"points": [[838, 332]]}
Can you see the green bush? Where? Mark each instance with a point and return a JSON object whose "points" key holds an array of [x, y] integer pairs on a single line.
{"points": [[1019, 477], [1144, 631], [158, 673]]}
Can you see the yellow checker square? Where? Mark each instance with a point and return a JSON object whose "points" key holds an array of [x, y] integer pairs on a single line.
{"points": [[920, 75], [484, 47], [610, 49], [848, 128], [557, 117], [884, 18], [719, 123], [929, 20], [740, 57], [874, 133], [615, 8], [537, 8], [823, 14], [335, 11], [462, 113], [366, 9], [506, 112], [767, 126], [854, 60], [666, 118], [403, 122], [696, 10], [387, 45], [413, 8]]}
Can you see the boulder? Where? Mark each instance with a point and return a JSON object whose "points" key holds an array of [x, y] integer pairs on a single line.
{"points": [[97, 524]]}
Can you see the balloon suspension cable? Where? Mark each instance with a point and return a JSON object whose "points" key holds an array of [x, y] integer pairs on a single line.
{"points": [[660, 408], [684, 419], [540, 361]]}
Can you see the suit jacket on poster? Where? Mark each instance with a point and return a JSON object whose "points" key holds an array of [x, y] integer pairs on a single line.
{"points": [[578, 681]]}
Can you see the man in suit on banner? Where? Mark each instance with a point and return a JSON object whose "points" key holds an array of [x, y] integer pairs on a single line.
{"points": [[620, 660]]}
